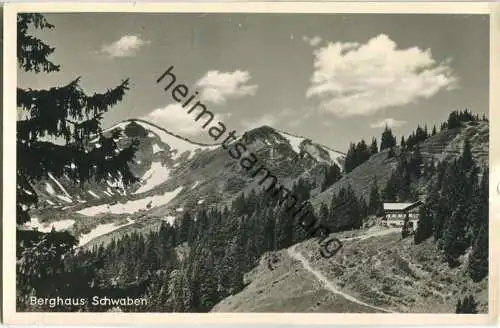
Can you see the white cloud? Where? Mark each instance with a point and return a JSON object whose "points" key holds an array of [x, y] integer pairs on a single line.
{"points": [[176, 119], [314, 41], [362, 79], [126, 46], [390, 122], [217, 87]]}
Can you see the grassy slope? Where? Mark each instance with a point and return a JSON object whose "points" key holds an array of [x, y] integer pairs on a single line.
{"points": [[382, 271], [287, 288], [393, 273], [444, 145]]}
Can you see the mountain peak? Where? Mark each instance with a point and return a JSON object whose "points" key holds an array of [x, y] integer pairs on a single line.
{"points": [[266, 135], [155, 129]]}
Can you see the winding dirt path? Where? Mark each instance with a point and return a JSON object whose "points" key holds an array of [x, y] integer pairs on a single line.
{"points": [[327, 283], [373, 234]]}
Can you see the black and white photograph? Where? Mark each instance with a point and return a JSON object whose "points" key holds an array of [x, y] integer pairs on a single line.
{"points": [[249, 162]]}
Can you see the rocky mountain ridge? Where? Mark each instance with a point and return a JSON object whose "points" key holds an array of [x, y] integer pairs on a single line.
{"points": [[176, 175]]}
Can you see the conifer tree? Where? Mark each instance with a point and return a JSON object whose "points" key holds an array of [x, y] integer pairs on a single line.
{"points": [[373, 146], [354, 211], [284, 229], [391, 189], [416, 162], [363, 152], [442, 212], [425, 222], [363, 209], [324, 214], [66, 113], [357, 155], [467, 160], [478, 265], [232, 278], [185, 229], [388, 139], [350, 162], [454, 238], [72, 117], [478, 260], [481, 198], [375, 202], [454, 185], [405, 231], [181, 292], [430, 168], [269, 229], [391, 153], [207, 280], [332, 175], [468, 305]]}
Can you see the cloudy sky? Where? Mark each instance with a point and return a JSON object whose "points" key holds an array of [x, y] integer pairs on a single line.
{"points": [[334, 78]]}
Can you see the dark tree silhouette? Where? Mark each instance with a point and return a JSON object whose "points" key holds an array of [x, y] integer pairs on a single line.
{"points": [[65, 113], [70, 116], [388, 139], [468, 305]]}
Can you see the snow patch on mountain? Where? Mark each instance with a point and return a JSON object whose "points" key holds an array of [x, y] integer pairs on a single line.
{"points": [[169, 219], [132, 206], [117, 184], [47, 227], [59, 185], [93, 194], [49, 189], [156, 175], [334, 155], [100, 230], [293, 140], [180, 145], [64, 198], [121, 125], [156, 148], [319, 152]]}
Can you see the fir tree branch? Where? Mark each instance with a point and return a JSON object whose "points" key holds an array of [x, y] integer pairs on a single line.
{"points": [[50, 111], [32, 52], [65, 112]]}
